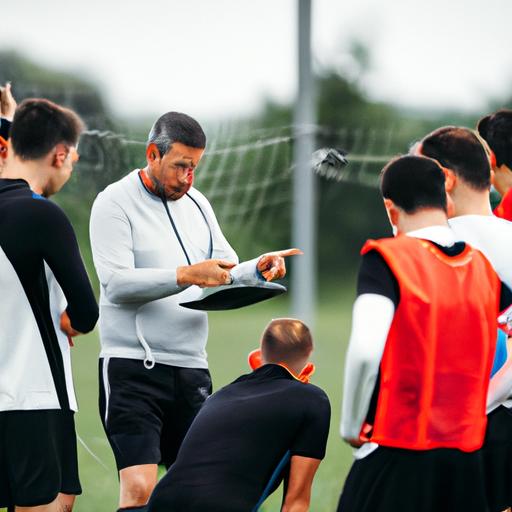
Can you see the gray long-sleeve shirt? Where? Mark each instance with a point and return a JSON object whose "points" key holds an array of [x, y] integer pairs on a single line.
{"points": [[136, 253]]}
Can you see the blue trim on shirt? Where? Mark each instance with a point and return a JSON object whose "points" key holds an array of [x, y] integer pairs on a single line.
{"points": [[37, 196], [273, 478], [501, 352]]}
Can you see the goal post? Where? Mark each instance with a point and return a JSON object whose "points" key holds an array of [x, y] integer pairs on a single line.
{"points": [[303, 287]]}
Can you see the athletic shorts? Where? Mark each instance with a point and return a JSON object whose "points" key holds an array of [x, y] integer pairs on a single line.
{"points": [[497, 455], [146, 413], [397, 480], [38, 457]]}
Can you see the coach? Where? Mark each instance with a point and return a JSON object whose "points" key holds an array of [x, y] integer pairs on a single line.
{"points": [[153, 237]]}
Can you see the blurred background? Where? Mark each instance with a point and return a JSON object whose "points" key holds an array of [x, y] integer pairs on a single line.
{"points": [[383, 75]]}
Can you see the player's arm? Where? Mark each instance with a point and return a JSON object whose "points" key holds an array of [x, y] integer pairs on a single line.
{"points": [[372, 316], [307, 450], [113, 253], [300, 480], [59, 247], [500, 387]]}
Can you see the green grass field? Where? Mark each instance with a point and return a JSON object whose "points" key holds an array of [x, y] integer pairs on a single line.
{"points": [[232, 335]]}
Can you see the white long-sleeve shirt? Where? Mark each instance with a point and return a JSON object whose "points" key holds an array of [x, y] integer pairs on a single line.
{"points": [[136, 253], [493, 237]]}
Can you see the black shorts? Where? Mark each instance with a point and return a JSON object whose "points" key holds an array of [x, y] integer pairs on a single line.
{"points": [[497, 455], [146, 413], [38, 457], [396, 480]]}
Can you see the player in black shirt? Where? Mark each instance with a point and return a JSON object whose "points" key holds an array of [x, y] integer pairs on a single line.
{"points": [[38, 255], [250, 435]]}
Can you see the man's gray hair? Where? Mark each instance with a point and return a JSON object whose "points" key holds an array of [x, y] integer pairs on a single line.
{"points": [[176, 127]]}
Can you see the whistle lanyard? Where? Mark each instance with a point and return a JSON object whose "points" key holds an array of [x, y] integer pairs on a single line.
{"points": [[176, 232], [175, 229]]}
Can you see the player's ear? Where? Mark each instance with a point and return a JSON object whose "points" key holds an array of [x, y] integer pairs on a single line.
{"points": [[152, 153], [391, 210], [450, 179], [60, 153]]}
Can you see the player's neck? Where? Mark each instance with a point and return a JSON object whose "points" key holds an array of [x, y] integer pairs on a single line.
{"points": [[29, 170], [425, 218], [467, 201]]}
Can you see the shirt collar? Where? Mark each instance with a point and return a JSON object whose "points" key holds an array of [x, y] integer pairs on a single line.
{"points": [[441, 235]]}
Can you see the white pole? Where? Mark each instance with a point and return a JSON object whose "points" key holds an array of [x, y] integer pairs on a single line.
{"points": [[304, 190]]}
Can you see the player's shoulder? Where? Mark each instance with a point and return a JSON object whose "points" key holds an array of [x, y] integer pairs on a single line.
{"points": [[313, 400], [37, 215], [482, 220], [503, 224], [313, 392], [45, 209], [483, 230], [307, 393]]}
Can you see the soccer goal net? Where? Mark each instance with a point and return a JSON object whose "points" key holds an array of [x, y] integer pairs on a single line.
{"points": [[246, 173]]}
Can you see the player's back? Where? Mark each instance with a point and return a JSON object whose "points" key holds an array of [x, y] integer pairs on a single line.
{"points": [[34, 230], [490, 235], [239, 445]]}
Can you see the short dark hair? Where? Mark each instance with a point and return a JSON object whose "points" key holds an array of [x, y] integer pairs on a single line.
{"points": [[286, 340], [413, 183], [460, 150], [496, 129], [39, 125], [176, 127]]}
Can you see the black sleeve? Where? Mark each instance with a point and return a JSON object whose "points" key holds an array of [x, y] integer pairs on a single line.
{"points": [[58, 244], [505, 297], [5, 128], [312, 437], [375, 276]]}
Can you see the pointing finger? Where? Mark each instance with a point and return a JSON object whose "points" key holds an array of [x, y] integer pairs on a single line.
{"points": [[286, 252]]}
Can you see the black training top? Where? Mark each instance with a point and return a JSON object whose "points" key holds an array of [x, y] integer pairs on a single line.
{"points": [[238, 448], [35, 231]]}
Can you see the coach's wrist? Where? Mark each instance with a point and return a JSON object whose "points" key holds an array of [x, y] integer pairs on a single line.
{"points": [[182, 276]]}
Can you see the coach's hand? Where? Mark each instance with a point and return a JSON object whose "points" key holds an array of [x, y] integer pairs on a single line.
{"points": [[272, 266], [206, 274]]}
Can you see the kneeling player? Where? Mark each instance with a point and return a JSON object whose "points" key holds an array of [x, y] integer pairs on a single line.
{"points": [[263, 427], [420, 356]]}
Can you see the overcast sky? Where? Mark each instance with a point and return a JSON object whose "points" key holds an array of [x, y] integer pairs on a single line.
{"points": [[215, 58]]}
